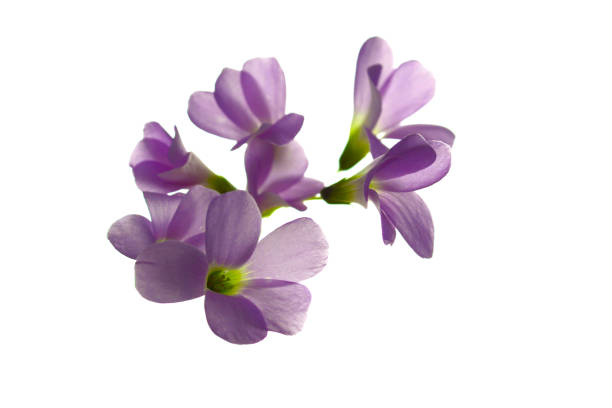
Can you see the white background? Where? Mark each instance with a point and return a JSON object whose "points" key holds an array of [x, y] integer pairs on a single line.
{"points": [[514, 309]]}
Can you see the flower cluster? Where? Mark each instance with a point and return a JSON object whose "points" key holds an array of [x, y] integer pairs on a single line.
{"points": [[203, 235]]}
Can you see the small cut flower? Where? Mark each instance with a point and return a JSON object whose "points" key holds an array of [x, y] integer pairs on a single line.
{"points": [[161, 164], [383, 96], [250, 288], [178, 217], [418, 160], [275, 176], [246, 104]]}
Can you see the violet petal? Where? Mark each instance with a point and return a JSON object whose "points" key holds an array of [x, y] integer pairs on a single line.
{"points": [[162, 208], [206, 114], [406, 90], [189, 218], [375, 51], [293, 252], [233, 224], [171, 271], [230, 98], [234, 318], [429, 132], [284, 130], [263, 82], [283, 304], [409, 214], [424, 177], [131, 234]]}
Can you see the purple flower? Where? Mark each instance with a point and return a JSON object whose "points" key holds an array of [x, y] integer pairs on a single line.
{"points": [[250, 287], [421, 158], [178, 217], [161, 164], [249, 106], [383, 96], [246, 104], [275, 176]]}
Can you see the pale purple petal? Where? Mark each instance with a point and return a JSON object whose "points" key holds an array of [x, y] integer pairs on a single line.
{"points": [[258, 161], [388, 230], [153, 147], [171, 271], [272, 168], [189, 218], [263, 82], [374, 51], [424, 177], [293, 252], [230, 98], [153, 131], [206, 114], [162, 208], [303, 189], [406, 90], [284, 130], [147, 178], [149, 150], [131, 234], [376, 147], [407, 156], [198, 241], [288, 167], [234, 318], [283, 304], [242, 141], [177, 152], [409, 214], [233, 224], [429, 132], [192, 172]]}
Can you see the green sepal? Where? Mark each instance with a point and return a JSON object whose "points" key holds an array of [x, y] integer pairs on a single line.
{"points": [[356, 149], [342, 192], [219, 184]]}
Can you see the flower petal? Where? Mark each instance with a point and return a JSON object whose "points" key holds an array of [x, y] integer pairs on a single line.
{"points": [[263, 82], [293, 252], [234, 318], [303, 189], [153, 147], [190, 216], [258, 161], [429, 132], [177, 152], [375, 51], [388, 230], [153, 131], [206, 114], [406, 90], [409, 155], [233, 224], [131, 234], [162, 208], [288, 167], [230, 98], [409, 214], [283, 304], [171, 271], [284, 130], [424, 177], [192, 172], [376, 147], [146, 175]]}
